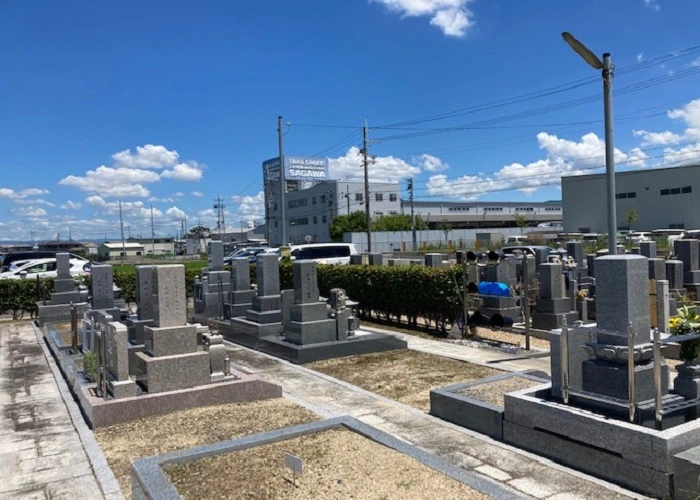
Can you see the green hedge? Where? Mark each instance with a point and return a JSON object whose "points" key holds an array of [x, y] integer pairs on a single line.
{"points": [[389, 293]]}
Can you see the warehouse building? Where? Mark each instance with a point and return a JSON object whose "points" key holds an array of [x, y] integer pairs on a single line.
{"points": [[664, 198]]}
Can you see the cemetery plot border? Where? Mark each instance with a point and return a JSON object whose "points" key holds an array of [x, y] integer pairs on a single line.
{"points": [[150, 479]]}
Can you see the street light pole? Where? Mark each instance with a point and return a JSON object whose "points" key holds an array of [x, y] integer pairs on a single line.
{"points": [[606, 68], [283, 182]]}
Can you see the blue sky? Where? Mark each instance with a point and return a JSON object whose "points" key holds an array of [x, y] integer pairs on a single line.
{"points": [[172, 104]]}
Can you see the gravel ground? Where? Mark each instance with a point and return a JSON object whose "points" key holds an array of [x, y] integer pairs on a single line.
{"points": [[493, 392], [123, 443], [338, 463], [404, 375]]}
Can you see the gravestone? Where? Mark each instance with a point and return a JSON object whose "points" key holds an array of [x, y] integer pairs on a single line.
{"points": [[575, 250], [647, 249], [215, 255], [170, 301], [241, 295], [309, 321], [433, 260], [687, 252], [674, 274], [552, 306], [541, 256], [66, 292], [120, 384], [590, 262], [102, 287], [622, 295], [657, 269], [375, 259]]}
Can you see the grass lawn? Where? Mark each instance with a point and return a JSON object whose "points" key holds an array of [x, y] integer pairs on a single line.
{"points": [[189, 265]]}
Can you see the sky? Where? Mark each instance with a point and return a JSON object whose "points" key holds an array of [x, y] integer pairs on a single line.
{"points": [[166, 106]]}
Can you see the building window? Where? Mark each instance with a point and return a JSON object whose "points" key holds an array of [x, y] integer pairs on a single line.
{"points": [[683, 190], [275, 223], [313, 200], [676, 226], [378, 212], [665, 192], [687, 189], [393, 197], [323, 219], [393, 212], [323, 198], [302, 202], [358, 197], [315, 220], [378, 197], [676, 191]]}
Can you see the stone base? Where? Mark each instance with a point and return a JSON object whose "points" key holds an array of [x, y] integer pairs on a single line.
{"points": [[238, 388], [247, 333], [630, 455], [171, 373], [550, 321], [686, 467], [310, 332], [610, 379], [56, 313], [170, 340], [123, 389], [361, 343]]}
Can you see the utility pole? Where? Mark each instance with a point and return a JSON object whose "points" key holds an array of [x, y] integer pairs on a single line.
{"points": [[413, 217], [365, 162], [347, 196], [283, 183], [32, 233], [121, 225], [70, 234], [220, 223], [153, 235]]}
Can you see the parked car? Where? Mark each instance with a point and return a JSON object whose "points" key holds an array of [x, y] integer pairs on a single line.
{"points": [[31, 255], [526, 249], [46, 268], [246, 252], [324, 253]]}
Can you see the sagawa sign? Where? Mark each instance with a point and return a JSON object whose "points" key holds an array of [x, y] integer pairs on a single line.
{"points": [[302, 168], [271, 169]]}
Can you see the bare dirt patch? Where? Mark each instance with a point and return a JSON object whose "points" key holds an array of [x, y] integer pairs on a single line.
{"points": [[404, 375], [123, 443], [494, 393], [338, 463]]}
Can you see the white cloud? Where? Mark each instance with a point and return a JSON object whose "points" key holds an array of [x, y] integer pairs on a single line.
{"points": [[178, 194], [382, 168], [71, 205], [640, 57], [563, 156], [451, 16], [432, 163], [147, 156], [657, 138], [11, 194], [695, 62], [175, 213], [113, 182], [198, 194], [190, 172], [652, 4], [34, 201], [250, 206], [29, 212], [129, 208]]}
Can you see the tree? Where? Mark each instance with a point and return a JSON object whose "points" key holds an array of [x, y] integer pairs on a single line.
{"points": [[630, 217], [521, 221], [199, 231], [352, 223], [446, 228], [396, 222]]}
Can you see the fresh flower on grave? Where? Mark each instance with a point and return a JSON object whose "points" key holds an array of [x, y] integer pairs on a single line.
{"points": [[569, 263], [687, 321], [582, 294]]}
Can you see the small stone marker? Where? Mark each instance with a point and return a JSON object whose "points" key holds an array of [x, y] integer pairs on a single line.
{"points": [[294, 463]]}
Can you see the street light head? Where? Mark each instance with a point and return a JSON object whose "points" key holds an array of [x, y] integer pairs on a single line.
{"points": [[582, 50]]}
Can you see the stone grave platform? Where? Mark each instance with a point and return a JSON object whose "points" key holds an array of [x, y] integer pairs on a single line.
{"points": [[362, 342], [238, 387], [634, 456]]}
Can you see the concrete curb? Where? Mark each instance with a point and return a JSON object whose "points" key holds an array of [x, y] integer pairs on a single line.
{"points": [[148, 476], [104, 475]]}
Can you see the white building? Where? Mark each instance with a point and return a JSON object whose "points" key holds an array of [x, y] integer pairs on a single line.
{"points": [[118, 250], [155, 246]]}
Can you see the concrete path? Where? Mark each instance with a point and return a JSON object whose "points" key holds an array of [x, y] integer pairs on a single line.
{"points": [[526, 474], [487, 357], [46, 450]]}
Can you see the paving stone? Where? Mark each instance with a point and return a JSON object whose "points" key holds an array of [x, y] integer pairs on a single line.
{"points": [[493, 472]]}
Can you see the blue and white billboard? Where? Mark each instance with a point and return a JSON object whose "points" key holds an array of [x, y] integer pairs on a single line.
{"points": [[271, 169], [304, 168]]}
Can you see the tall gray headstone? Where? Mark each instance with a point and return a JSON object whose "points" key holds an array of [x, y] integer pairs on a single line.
{"points": [[622, 294], [102, 287], [541, 256], [663, 309], [63, 266], [240, 274], [674, 274], [117, 337], [375, 259], [648, 249], [304, 274], [657, 269], [687, 252], [575, 251], [145, 291], [170, 298], [529, 268], [551, 281], [433, 259], [590, 261], [215, 253], [268, 274]]}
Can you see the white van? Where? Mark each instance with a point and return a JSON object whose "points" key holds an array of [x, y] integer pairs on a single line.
{"points": [[324, 253]]}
